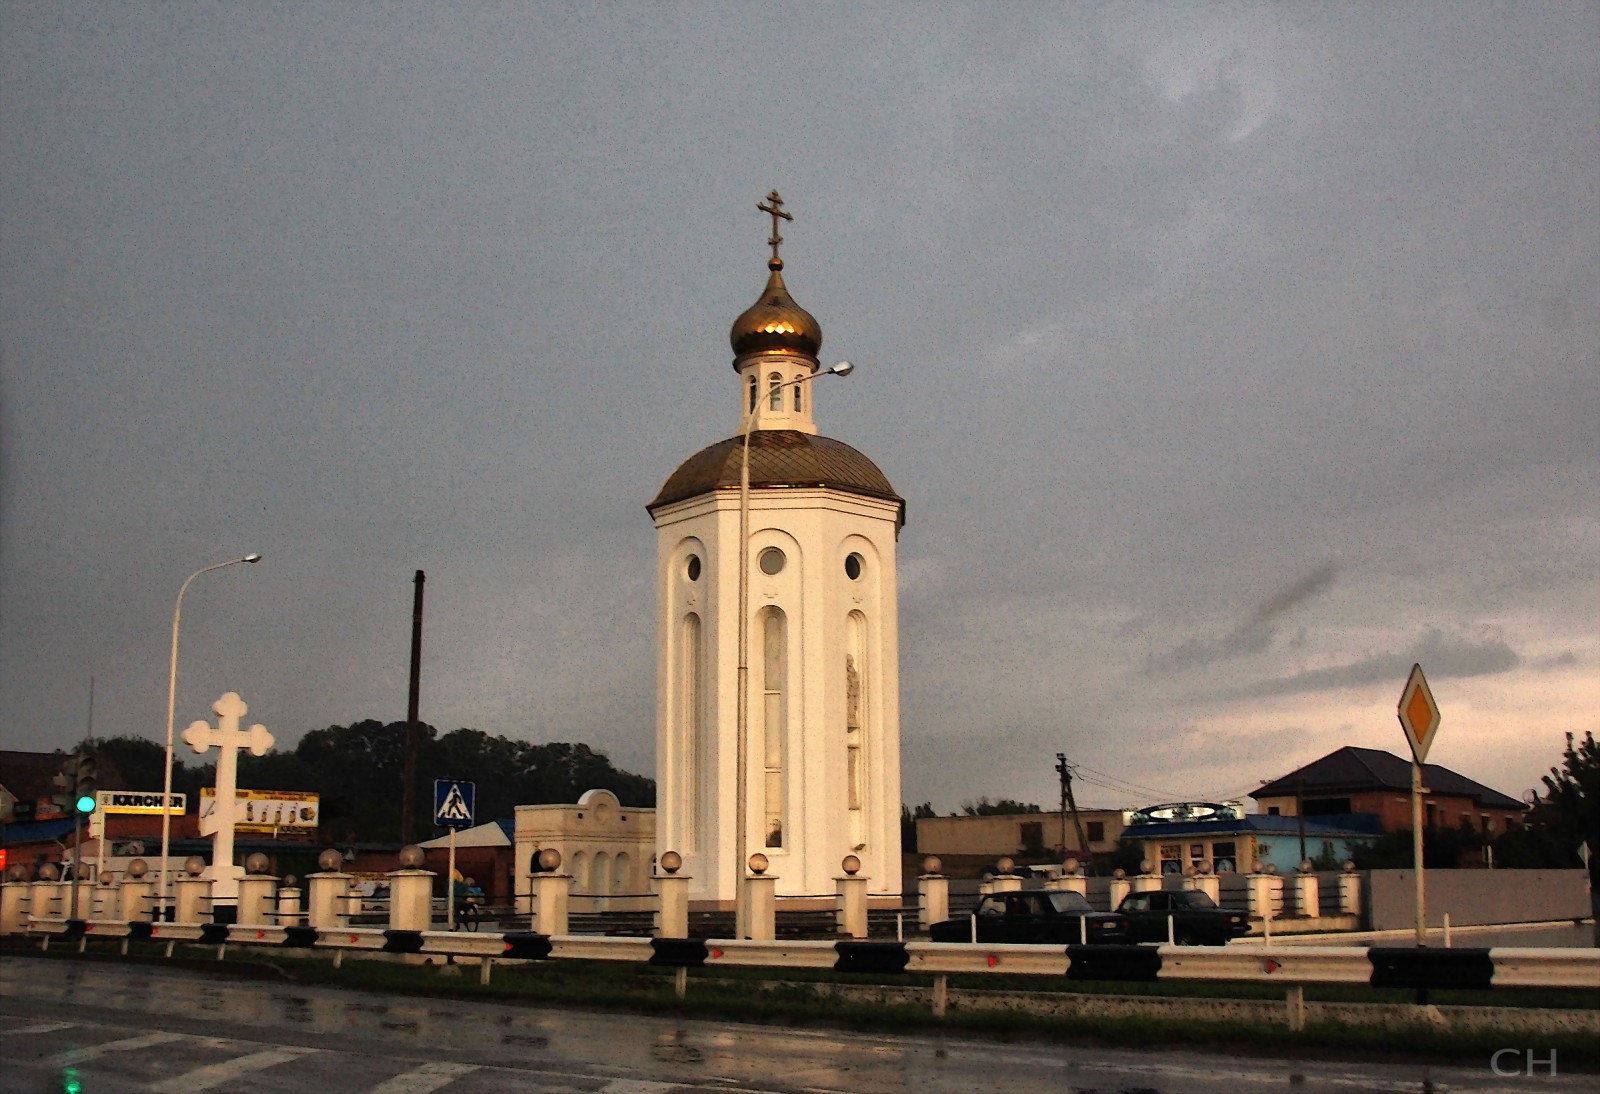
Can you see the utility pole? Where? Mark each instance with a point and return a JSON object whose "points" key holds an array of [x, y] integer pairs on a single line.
{"points": [[408, 794], [1064, 769]]}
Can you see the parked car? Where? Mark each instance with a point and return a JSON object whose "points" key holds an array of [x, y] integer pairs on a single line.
{"points": [[1037, 916], [1196, 919]]}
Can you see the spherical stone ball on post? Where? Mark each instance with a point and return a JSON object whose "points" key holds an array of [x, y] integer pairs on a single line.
{"points": [[852, 893], [192, 892], [551, 892], [1146, 880], [761, 900], [933, 893], [672, 892], [326, 905], [256, 891], [1117, 888], [411, 892], [1005, 880]]}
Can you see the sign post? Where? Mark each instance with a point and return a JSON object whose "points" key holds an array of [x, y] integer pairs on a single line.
{"points": [[1419, 717], [453, 806]]}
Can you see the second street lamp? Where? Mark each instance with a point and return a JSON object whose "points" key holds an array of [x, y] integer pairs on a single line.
{"points": [[741, 748], [162, 891]]}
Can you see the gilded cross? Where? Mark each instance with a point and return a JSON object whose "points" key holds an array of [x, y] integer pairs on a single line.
{"points": [[776, 211]]}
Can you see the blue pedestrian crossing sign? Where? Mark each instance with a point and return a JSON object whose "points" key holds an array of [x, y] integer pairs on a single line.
{"points": [[453, 803]]}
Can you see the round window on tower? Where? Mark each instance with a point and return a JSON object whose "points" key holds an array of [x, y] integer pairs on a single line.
{"points": [[693, 568], [771, 561], [852, 567]]}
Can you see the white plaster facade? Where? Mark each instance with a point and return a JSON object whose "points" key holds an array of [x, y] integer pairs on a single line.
{"points": [[823, 766], [604, 845]]}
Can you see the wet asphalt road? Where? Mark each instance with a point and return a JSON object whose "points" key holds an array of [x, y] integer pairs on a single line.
{"points": [[115, 1028]]}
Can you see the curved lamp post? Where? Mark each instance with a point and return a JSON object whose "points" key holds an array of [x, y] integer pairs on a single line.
{"points": [[163, 893], [741, 908]]}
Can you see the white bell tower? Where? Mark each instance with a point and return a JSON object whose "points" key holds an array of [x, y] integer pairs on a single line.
{"points": [[821, 644]]}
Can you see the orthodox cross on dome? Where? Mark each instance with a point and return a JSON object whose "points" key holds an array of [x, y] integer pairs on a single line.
{"points": [[227, 738], [776, 211]]}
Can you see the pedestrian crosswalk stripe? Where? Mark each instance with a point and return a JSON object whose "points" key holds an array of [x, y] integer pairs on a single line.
{"points": [[127, 1044], [37, 1027], [204, 1078], [425, 1079]]}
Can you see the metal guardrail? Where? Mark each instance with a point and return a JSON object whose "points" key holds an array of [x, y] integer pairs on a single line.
{"points": [[1292, 966]]}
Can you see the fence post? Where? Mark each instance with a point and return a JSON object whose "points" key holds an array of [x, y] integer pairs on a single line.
{"points": [[14, 907], [672, 897], [327, 908], [852, 899], [191, 894], [933, 894]]}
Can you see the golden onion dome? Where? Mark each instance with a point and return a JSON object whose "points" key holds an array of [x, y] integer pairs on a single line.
{"points": [[775, 323]]}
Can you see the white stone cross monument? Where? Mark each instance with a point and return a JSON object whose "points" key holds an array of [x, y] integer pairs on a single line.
{"points": [[228, 739]]}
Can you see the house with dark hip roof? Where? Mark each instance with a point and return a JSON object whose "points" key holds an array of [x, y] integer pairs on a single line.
{"points": [[1370, 789]]}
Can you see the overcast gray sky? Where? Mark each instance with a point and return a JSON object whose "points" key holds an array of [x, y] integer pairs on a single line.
{"points": [[1230, 357]]}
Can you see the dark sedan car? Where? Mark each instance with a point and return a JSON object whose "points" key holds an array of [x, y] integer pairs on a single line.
{"points": [[1195, 918], [1038, 916]]}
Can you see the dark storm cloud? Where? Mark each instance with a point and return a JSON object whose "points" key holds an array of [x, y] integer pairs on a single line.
{"points": [[1445, 656], [1255, 634], [1155, 306]]}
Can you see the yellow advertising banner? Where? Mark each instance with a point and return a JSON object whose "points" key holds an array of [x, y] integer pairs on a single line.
{"points": [[267, 810]]}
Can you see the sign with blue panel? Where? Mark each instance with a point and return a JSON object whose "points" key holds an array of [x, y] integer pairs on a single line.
{"points": [[453, 802]]}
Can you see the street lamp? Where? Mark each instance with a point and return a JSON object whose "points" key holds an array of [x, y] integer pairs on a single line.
{"points": [[162, 891], [741, 906]]}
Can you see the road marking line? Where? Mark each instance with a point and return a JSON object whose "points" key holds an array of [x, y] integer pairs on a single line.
{"points": [[637, 1086], [204, 1078], [40, 1027], [425, 1079], [77, 1056]]}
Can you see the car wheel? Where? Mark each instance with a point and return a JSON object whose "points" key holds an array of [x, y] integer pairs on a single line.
{"points": [[1185, 938]]}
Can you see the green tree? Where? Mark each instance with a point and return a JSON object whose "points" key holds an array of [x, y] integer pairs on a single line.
{"points": [[1569, 808], [908, 824], [983, 807]]}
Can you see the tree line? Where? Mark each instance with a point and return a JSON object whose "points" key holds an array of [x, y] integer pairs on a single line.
{"points": [[357, 772]]}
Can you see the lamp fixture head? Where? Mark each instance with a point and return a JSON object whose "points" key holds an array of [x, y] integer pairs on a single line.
{"points": [[251, 558], [843, 368]]}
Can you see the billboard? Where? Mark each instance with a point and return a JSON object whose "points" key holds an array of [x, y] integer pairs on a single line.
{"points": [[267, 810], [138, 801]]}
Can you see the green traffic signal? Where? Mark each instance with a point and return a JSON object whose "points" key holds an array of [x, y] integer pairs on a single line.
{"points": [[85, 803]]}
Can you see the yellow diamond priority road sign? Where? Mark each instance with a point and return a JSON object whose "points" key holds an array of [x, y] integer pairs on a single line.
{"points": [[1419, 714]]}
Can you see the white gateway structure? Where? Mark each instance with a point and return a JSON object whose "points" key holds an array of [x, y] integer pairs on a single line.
{"points": [[822, 757]]}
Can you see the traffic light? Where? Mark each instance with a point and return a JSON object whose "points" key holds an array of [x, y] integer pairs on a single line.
{"points": [[63, 784], [86, 782], [76, 784]]}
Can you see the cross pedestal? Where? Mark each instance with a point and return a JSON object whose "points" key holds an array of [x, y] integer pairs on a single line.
{"points": [[228, 739]]}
